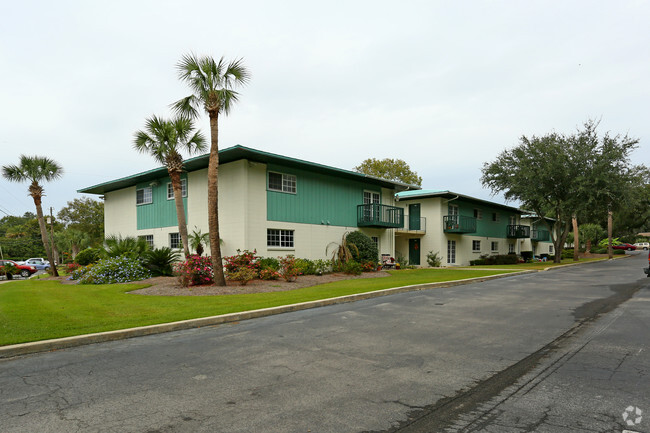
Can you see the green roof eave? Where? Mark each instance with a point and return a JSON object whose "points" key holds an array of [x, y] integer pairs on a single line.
{"points": [[423, 194], [236, 153]]}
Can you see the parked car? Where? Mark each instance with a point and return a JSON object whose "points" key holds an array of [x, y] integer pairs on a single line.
{"points": [[643, 245], [39, 263], [24, 270], [624, 246]]}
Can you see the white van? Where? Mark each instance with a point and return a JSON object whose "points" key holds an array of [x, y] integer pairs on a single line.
{"points": [[644, 245]]}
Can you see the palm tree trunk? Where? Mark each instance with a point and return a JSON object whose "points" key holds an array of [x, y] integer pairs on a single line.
{"points": [[46, 243], [576, 239], [213, 201], [175, 176]]}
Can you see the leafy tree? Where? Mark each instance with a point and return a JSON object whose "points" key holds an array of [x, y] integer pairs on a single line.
{"points": [[85, 215], [21, 241], [36, 169], [213, 91], [366, 249], [71, 240], [591, 233], [165, 140], [391, 169], [560, 176]]}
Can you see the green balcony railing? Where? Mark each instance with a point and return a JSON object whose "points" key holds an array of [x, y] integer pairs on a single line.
{"points": [[540, 235], [458, 224], [518, 231], [380, 216]]}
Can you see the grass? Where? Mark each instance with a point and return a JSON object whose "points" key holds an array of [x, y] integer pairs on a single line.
{"points": [[535, 265], [33, 310]]}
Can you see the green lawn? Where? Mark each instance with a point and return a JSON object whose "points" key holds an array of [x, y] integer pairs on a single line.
{"points": [[535, 265], [33, 310]]}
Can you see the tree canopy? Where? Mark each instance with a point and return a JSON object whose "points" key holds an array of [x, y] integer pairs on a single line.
{"points": [[390, 169], [560, 175], [85, 215]]}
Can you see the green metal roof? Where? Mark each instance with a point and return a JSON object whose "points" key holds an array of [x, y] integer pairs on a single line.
{"points": [[429, 193], [236, 153]]}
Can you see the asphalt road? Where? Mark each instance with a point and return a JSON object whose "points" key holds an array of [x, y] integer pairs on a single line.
{"points": [[558, 351]]}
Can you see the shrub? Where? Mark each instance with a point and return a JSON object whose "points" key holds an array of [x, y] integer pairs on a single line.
{"points": [[79, 272], [288, 269], [268, 263], [305, 267], [366, 249], [243, 275], [196, 270], [527, 255], [322, 266], [368, 266], [246, 259], [434, 260], [478, 262], [352, 268], [160, 261], [87, 256], [71, 267], [619, 252], [9, 270], [131, 247], [269, 274], [599, 250], [567, 253], [115, 270]]}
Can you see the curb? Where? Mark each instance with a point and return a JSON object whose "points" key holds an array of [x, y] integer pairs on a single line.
{"points": [[100, 337]]}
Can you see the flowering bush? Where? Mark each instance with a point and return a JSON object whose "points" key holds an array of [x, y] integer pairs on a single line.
{"points": [[288, 269], [196, 270], [79, 272], [71, 267], [243, 275], [241, 260], [368, 266], [114, 270], [269, 274]]}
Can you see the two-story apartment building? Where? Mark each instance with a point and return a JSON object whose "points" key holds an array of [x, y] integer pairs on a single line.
{"points": [[271, 203]]}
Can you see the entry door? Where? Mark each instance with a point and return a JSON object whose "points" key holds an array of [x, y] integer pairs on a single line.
{"points": [[369, 212], [451, 252], [414, 251], [414, 216]]}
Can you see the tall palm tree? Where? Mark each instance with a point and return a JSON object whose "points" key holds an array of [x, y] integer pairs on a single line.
{"points": [[212, 84], [36, 169], [165, 140]]}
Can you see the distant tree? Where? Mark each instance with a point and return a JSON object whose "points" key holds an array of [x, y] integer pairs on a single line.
{"points": [[165, 140], [213, 91], [36, 169], [591, 234], [560, 176], [390, 169], [71, 240], [85, 215]]}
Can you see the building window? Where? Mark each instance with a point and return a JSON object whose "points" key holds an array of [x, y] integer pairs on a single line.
{"points": [[148, 239], [143, 196], [476, 246], [170, 189], [175, 240], [478, 214], [375, 240], [279, 238], [451, 252], [495, 217], [452, 209], [494, 246], [511, 248], [513, 220], [550, 249], [282, 182]]}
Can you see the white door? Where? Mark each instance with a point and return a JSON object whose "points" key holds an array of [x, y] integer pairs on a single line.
{"points": [[451, 252]]}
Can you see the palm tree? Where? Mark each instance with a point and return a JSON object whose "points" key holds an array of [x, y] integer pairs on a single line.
{"points": [[36, 169], [212, 84], [198, 239], [164, 140]]}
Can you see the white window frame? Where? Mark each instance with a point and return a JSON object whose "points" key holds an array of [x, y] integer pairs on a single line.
{"points": [[451, 252], [478, 214], [511, 248], [512, 220], [148, 239], [495, 217], [375, 239], [170, 189], [452, 209], [281, 239], [494, 246], [550, 249], [476, 246], [289, 183], [178, 242], [147, 193]]}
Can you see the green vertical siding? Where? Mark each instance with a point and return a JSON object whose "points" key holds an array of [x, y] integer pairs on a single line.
{"points": [[485, 226], [319, 199], [162, 212]]}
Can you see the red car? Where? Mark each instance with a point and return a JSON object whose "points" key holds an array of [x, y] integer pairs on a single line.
{"points": [[628, 247], [24, 270]]}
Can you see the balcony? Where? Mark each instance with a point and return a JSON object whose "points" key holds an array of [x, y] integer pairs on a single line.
{"points": [[458, 224], [518, 232], [540, 235], [380, 216], [414, 225]]}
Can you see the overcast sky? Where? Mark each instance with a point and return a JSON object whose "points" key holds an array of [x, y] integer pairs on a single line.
{"points": [[446, 86]]}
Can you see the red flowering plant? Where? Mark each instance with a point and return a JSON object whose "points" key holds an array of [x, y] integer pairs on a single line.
{"points": [[195, 271], [241, 261], [288, 268]]}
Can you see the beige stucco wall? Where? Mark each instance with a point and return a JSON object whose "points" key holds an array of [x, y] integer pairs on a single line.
{"points": [[120, 212]]}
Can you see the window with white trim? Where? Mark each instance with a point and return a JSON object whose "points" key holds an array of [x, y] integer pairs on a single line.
{"points": [[451, 252], [282, 182], [170, 189], [550, 249], [375, 240], [143, 196], [511, 248], [279, 238], [478, 214], [148, 239], [494, 246], [495, 217], [476, 246], [175, 240]]}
